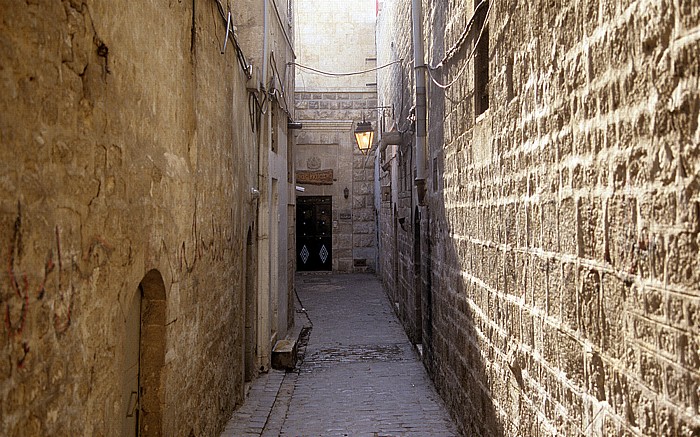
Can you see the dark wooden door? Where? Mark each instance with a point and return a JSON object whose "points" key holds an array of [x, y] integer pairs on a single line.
{"points": [[314, 233]]}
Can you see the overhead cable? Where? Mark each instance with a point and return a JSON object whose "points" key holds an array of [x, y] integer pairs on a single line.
{"points": [[354, 73], [466, 62], [396, 117], [463, 37], [282, 81]]}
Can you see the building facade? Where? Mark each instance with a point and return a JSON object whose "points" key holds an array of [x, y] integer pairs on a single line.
{"points": [[143, 212], [550, 276], [336, 220]]}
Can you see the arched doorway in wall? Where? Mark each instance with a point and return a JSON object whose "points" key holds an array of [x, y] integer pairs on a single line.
{"points": [[131, 367], [417, 281], [144, 357], [250, 305], [395, 259]]}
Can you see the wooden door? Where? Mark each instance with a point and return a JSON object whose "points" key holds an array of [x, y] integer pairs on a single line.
{"points": [[130, 377], [314, 233]]}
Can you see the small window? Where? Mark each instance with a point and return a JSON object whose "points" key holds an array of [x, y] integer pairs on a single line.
{"points": [[510, 90], [273, 126], [435, 175], [402, 172], [290, 162], [407, 175], [481, 63]]}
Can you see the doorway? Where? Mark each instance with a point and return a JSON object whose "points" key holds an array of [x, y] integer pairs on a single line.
{"points": [[131, 368], [251, 310], [314, 233], [417, 281], [144, 358]]}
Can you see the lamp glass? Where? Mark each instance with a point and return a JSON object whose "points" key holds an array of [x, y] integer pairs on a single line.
{"points": [[364, 135]]}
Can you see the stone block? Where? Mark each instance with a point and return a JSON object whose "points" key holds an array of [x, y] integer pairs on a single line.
{"points": [[284, 354], [345, 265]]}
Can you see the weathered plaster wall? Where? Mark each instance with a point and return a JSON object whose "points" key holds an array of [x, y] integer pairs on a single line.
{"points": [[124, 150], [560, 289], [272, 76]]}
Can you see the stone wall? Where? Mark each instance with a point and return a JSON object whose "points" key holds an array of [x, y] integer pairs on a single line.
{"points": [[334, 36], [338, 37], [559, 244], [398, 207], [327, 142], [126, 175]]}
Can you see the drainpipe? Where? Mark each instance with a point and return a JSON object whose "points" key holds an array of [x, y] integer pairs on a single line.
{"points": [[264, 291], [419, 69], [264, 50]]}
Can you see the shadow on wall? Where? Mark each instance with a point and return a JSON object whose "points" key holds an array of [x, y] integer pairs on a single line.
{"points": [[457, 330], [440, 274], [559, 274], [459, 355]]}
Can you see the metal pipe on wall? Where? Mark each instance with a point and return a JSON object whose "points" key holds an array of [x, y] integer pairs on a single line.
{"points": [[263, 216], [265, 43], [421, 116]]}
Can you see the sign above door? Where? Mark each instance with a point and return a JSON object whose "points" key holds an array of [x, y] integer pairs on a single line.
{"points": [[315, 177]]}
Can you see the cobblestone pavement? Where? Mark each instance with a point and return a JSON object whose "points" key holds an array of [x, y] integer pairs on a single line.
{"points": [[360, 375]]}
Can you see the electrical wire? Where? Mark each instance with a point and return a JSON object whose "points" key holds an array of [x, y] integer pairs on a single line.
{"points": [[254, 104], [463, 37], [262, 105], [284, 31], [301, 75], [252, 110], [245, 65], [282, 92], [302, 308], [400, 113], [466, 62], [354, 73]]}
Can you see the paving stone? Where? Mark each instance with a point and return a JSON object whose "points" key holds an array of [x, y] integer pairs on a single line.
{"points": [[359, 376]]}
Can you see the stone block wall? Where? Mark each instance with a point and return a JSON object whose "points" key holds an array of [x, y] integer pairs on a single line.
{"points": [[562, 226], [334, 36], [327, 141], [124, 156], [398, 204]]}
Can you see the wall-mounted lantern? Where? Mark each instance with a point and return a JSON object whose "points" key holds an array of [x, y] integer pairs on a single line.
{"points": [[364, 136], [346, 192]]}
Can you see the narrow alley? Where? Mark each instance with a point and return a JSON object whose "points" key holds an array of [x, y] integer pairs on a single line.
{"points": [[463, 217], [360, 375]]}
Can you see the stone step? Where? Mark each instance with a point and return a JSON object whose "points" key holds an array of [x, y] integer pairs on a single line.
{"points": [[284, 354]]}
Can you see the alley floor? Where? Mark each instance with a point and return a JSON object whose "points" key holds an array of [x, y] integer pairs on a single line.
{"points": [[360, 376]]}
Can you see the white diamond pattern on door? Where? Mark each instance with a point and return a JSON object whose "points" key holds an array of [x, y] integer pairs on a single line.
{"points": [[314, 233]]}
